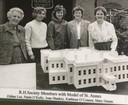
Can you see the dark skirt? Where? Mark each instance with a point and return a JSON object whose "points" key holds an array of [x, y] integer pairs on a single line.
{"points": [[103, 45], [37, 54]]}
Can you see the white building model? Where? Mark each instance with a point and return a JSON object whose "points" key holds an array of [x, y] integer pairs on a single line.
{"points": [[85, 67]]}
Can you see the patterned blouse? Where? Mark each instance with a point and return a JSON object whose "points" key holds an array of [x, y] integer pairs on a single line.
{"points": [[104, 33]]}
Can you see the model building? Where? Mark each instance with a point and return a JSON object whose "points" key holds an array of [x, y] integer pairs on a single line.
{"points": [[85, 67]]}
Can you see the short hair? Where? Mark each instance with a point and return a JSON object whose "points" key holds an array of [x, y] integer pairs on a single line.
{"points": [[78, 8], [38, 10], [10, 12], [100, 8], [59, 8]]}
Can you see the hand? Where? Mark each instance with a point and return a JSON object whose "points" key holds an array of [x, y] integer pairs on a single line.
{"points": [[32, 57], [122, 53]]}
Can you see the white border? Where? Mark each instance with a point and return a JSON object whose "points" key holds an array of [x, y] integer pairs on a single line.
{"points": [[62, 96]]}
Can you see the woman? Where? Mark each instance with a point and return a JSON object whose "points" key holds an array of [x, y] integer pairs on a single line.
{"points": [[102, 34], [78, 29], [12, 39], [35, 35], [57, 29]]}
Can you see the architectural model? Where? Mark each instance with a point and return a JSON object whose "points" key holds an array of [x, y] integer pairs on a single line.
{"points": [[85, 67]]}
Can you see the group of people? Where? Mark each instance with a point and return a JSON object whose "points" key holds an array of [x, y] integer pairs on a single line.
{"points": [[18, 44]]}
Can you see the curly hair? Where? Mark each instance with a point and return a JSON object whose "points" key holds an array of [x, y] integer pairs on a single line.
{"points": [[78, 8], [38, 10], [10, 12], [100, 8], [59, 8]]}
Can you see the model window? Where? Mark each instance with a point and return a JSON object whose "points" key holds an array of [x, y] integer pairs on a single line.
{"points": [[53, 78], [46, 61], [119, 76], [63, 77], [105, 82], [106, 70], [94, 80], [89, 80], [84, 81], [62, 65], [71, 79], [100, 79], [111, 69], [58, 77], [71, 69], [119, 68], [123, 67], [89, 71], [79, 82], [94, 71], [114, 68], [57, 65], [79, 72], [127, 67], [46, 68], [52, 65], [84, 72], [123, 75], [99, 70]]}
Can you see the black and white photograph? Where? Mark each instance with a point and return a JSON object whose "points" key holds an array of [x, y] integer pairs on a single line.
{"points": [[69, 51]]}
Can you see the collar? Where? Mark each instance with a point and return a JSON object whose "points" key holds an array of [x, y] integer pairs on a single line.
{"points": [[78, 24], [102, 23], [57, 20], [8, 28], [74, 23]]}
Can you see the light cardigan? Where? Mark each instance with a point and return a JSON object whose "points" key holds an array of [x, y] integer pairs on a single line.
{"points": [[104, 34], [35, 35]]}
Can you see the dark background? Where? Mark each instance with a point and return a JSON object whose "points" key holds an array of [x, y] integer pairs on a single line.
{"points": [[25, 5]]}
